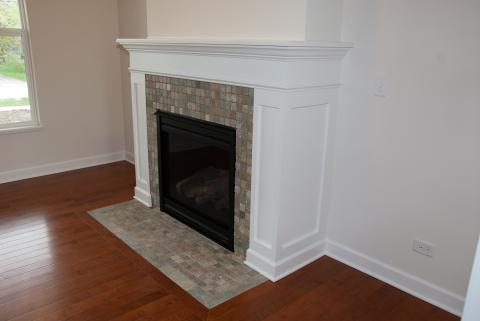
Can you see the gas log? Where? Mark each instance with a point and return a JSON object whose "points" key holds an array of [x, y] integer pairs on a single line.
{"points": [[208, 185]]}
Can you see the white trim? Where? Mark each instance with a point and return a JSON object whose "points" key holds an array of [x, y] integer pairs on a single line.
{"points": [[20, 128], [29, 65], [130, 157], [278, 270], [58, 167], [404, 281], [140, 140], [24, 34], [280, 89], [260, 49], [143, 196]]}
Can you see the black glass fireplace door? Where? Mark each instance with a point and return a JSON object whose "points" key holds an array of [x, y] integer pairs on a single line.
{"points": [[197, 174]]}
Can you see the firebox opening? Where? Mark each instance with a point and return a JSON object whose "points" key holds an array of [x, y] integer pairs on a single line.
{"points": [[197, 174]]}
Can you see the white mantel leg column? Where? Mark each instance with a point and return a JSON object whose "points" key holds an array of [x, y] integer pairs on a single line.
{"points": [[291, 168], [140, 141]]}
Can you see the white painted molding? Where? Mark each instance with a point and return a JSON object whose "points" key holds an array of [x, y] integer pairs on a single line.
{"points": [[404, 281], [140, 140], [320, 71], [143, 196], [58, 167], [275, 271], [291, 89], [130, 157], [266, 49]]}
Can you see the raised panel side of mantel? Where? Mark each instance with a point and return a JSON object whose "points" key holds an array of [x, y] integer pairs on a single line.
{"points": [[291, 178]]}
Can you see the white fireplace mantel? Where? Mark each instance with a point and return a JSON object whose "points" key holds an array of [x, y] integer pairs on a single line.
{"points": [[295, 99]]}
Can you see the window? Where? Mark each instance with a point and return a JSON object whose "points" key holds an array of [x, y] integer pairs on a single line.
{"points": [[18, 104]]}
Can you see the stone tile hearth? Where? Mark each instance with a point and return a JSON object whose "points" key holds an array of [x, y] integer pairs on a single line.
{"points": [[200, 266]]}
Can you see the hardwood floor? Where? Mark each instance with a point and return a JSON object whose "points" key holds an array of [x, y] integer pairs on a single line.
{"points": [[57, 263]]}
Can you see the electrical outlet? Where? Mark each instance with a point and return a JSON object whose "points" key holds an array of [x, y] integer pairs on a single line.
{"points": [[423, 248]]}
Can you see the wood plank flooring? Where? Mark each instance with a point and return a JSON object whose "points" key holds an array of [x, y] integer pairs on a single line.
{"points": [[57, 263]]}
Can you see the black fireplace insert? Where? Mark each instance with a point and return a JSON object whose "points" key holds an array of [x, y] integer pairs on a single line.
{"points": [[196, 163]]}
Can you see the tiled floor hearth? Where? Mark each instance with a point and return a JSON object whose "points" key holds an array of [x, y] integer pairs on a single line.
{"points": [[204, 269]]}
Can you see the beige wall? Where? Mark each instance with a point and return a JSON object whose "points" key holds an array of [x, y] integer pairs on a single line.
{"points": [[314, 20], [323, 20], [273, 19], [132, 18], [78, 80], [408, 165]]}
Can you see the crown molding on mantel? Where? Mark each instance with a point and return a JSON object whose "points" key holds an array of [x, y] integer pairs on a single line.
{"points": [[260, 49]]}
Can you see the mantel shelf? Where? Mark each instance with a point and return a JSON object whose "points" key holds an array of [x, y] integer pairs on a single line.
{"points": [[266, 49]]}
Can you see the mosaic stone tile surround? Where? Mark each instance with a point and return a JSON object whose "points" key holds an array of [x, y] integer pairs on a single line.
{"points": [[218, 103], [203, 268]]}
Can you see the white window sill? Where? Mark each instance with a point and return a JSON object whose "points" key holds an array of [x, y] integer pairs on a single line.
{"points": [[20, 128]]}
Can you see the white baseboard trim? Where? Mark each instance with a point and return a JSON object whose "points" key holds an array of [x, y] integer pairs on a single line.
{"points": [[261, 264], [404, 281], [143, 197], [411, 284], [278, 270], [58, 167], [130, 157], [298, 260]]}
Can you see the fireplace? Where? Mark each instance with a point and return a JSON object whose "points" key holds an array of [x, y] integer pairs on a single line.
{"points": [[281, 98], [196, 161]]}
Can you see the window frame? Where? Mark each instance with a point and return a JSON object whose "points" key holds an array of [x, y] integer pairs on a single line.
{"points": [[24, 33]]}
